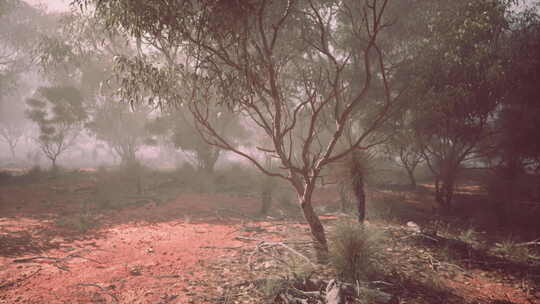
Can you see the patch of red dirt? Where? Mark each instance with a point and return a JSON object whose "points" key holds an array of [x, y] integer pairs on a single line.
{"points": [[158, 254], [475, 286]]}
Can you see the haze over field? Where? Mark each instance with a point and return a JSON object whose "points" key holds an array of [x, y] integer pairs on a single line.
{"points": [[267, 151]]}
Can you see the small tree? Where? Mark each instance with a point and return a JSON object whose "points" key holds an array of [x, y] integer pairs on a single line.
{"points": [[178, 126], [273, 62], [12, 122], [403, 147], [60, 115], [11, 132], [122, 128]]}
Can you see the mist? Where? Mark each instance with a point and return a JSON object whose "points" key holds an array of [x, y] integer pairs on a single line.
{"points": [[269, 151]]}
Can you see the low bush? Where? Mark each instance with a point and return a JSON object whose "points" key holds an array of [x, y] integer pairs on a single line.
{"points": [[353, 251]]}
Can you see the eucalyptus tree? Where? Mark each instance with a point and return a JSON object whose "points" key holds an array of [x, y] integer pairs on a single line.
{"points": [[13, 123], [269, 61], [20, 24], [514, 152], [122, 128], [82, 52], [456, 77], [59, 113], [178, 127], [403, 147]]}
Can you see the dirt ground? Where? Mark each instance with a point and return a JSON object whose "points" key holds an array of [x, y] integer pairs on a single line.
{"points": [[196, 248]]}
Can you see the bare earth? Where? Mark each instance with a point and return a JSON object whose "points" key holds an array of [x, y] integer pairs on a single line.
{"points": [[185, 250]]}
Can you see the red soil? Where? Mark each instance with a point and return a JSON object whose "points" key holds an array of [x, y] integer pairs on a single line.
{"points": [[156, 255]]}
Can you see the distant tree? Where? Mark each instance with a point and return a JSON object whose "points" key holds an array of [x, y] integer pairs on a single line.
{"points": [[515, 152], [60, 115], [270, 61], [403, 146], [82, 52], [180, 129], [122, 128], [12, 121], [456, 77], [19, 23]]}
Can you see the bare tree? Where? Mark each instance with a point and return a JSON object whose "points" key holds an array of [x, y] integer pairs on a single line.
{"points": [[11, 132]]}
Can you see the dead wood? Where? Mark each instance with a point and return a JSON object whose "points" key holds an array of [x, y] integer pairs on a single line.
{"points": [[58, 262], [266, 244], [224, 248], [9, 284], [326, 292]]}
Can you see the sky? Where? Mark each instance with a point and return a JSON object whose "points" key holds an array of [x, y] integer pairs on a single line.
{"points": [[52, 5], [63, 5]]}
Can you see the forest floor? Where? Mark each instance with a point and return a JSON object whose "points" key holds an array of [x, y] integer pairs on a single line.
{"points": [[58, 246]]}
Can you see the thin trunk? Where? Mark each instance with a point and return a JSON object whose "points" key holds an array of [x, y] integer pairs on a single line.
{"points": [[54, 168], [412, 178], [315, 225], [12, 150], [344, 201], [266, 200], [446, 192], [359, 193], [208, 159], [317, 231]]}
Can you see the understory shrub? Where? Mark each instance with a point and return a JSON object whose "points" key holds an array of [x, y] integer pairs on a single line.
{"points": [[353, 251]]}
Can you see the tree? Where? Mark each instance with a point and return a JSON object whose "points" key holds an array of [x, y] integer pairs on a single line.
{"points": [[457, 76], [59, 114], [270, 61], [19, 23], [403, 147], [514, 152], [12, 121], [84, 48], [179, 128], [124, 130]]}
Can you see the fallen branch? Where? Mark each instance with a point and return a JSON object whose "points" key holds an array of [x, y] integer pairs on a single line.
{"points": [[26, 260], [169, 276], [245, 238], [263, 244], [531, 243], [225, 248], [58, 261], [9, 284]]}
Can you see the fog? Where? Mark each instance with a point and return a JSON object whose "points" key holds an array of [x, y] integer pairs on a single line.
{"points": [[317, 129]]}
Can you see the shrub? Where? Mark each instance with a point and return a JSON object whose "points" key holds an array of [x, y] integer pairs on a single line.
{"points": [[5, 177], [34, 174], [513, 251], [81, 222], [353, 250]]}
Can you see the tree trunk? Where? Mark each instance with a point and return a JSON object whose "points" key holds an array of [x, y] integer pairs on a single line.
{"points": [[359, 193], [315, 225], [53, 160], [208, 159], [266, 200], [344, 201], [12, 150], [445, 193], [412, 178]]}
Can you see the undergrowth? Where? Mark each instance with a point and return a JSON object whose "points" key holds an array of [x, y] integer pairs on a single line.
{"points": [[353, 251]]}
